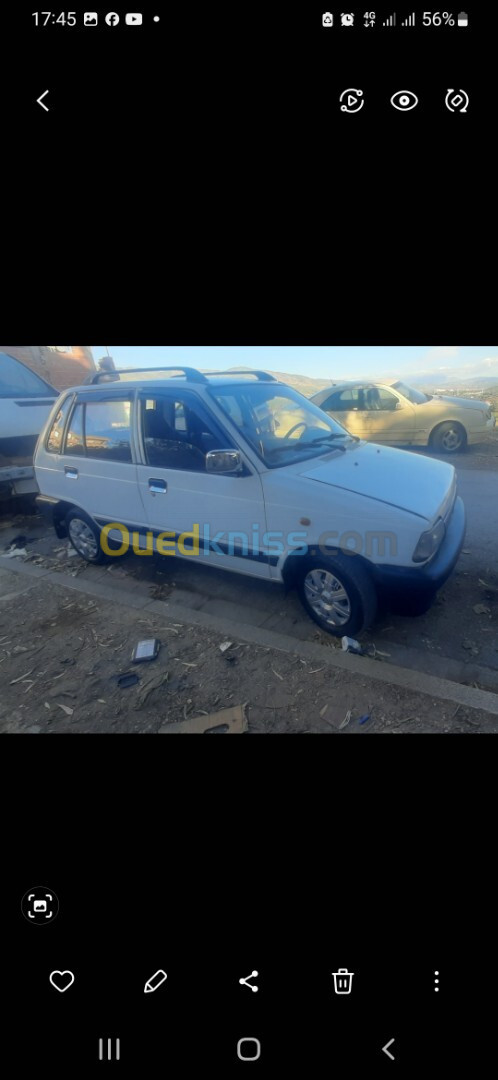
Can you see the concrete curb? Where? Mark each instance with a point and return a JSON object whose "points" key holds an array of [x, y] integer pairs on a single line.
{"points": [[407, 678]]}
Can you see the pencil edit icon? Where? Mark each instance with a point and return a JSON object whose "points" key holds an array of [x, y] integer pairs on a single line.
{"points": [[155, 982]]}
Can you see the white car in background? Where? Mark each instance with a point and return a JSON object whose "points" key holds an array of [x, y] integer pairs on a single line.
{"points": [[25, 403], [398, 415]]}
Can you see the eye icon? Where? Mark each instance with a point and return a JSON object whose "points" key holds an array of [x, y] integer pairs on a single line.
{"points": [[404, 100]]}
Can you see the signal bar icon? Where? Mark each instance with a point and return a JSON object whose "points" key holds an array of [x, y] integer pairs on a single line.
{"points": [[410, 21], [391, 21]]}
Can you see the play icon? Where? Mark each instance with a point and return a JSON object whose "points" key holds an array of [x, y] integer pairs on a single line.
{"points": [[134, 18]]}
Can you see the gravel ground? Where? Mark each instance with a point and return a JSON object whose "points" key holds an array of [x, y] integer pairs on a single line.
{"points": [[61, 654]]}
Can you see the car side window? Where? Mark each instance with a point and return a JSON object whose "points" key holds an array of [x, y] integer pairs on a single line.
{"points": [[74, 438], [380, 400], [107, 432], [176, 434], [56, 433]]}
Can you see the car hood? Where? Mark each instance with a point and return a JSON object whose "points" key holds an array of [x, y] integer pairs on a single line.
{"points": [[463, 403], [396, 477]]}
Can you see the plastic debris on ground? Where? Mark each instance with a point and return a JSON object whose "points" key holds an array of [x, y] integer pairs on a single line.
{"points": [[350, 645]]}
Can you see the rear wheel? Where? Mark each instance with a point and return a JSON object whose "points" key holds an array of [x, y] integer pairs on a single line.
{"points": [[449, 438], [338, 593], [84, 536]]}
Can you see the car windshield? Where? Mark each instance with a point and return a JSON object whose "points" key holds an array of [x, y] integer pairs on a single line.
{"points": [[417, 397], [279, 423]]}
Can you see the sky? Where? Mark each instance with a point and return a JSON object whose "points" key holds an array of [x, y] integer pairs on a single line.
{"points": [[318, 361]]}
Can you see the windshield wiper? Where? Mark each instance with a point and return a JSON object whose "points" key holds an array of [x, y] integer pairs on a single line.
{"points": [[298, 445]]}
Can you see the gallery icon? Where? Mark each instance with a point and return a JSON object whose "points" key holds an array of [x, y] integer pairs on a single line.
{"points": [[40, 905], [134, 18], [327, 19], [90, 18], [112, 18], [347, 19], [457, 100]]}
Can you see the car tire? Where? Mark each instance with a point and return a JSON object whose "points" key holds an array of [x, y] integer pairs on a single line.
{"points": [[338, 593], [449, 438], [84, 536]]}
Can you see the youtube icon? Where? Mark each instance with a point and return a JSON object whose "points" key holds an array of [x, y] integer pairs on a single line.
{"points": [[134, 18]]}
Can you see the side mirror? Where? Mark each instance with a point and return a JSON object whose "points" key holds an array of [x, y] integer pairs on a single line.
{"points": [[398, 406], [224, 461]]}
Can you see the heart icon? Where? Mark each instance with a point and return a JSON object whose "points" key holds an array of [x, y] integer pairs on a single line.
{"points": [[62, 980]]}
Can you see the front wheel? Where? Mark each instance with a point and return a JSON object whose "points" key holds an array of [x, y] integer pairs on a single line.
{"points": [[338, 593], [449, 438]]}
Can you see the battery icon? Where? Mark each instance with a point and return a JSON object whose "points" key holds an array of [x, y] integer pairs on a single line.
{"points": [[463, 18]]}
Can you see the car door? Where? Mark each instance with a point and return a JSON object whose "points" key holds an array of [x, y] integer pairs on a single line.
{"points": [[388, 417], [176, 430], [96, 468]]}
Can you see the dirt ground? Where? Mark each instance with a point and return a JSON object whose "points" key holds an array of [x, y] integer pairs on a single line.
{"points": [[61, 654]]}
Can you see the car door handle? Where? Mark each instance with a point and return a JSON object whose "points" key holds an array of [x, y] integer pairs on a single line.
{"points": [[158, 487], [72, 474]]}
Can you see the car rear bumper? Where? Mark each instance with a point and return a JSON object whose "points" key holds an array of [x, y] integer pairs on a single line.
{"points": [[427, 579]]}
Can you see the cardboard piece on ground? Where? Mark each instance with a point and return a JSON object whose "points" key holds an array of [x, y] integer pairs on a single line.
{"points": [[231, 721]]}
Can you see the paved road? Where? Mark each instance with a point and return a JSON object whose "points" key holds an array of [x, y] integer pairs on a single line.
{"points": [[479, 491]]}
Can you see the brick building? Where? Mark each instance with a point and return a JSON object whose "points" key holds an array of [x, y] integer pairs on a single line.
{"points": [[61, 365]]}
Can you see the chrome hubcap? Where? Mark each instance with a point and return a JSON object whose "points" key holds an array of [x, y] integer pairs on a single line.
{"points": [[328, 597], [452, 440], [83, 539]]}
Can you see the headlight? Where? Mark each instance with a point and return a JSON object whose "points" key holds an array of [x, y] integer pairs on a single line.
{"points": [[429, 542]]}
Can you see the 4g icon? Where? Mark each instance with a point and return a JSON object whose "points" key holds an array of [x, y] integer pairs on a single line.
{"points": [[369, 17]]}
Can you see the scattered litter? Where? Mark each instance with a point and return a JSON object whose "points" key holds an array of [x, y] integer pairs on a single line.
{"points": [[406, 720], [350, 645], [277, 674], [101, 701], [184, 662], [47, 706], [465, 551], [21, 677], [225, 646], [324, 710], [481, 609], [15, 553], [231, 659], [377, 652], [346, 720], [71, 552], [231, 721], [129, 679], [314, 671], [146, 650], [66, 709], [153, 684], [363, 719], [23, 648]]}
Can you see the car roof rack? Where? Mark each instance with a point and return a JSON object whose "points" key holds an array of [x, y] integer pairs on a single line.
{"points": [[187, 372], [262, 376]]}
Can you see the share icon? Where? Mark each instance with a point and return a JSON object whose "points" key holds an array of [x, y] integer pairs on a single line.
{"points": [[245, 982]]}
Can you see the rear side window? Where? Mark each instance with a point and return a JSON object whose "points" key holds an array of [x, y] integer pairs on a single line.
{"points": [[56, 433], [74, 437]]}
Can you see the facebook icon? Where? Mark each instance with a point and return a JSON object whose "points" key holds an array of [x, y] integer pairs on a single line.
{"points": [[112, 18]]}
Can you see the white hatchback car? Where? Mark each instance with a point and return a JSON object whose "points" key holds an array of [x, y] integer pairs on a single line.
{"points": [[242, 472]]}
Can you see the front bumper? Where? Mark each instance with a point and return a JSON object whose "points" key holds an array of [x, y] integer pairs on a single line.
{"points": [[427, 579]]}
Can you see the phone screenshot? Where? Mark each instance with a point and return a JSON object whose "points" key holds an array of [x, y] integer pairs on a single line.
{"points": [[248, 531]]}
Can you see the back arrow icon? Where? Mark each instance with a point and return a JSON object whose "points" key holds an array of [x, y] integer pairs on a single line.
{"points": [[385, 1049], [40, 102]]}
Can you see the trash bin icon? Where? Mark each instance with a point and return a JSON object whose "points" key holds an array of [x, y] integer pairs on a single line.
{"points": [[343, 981]]}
